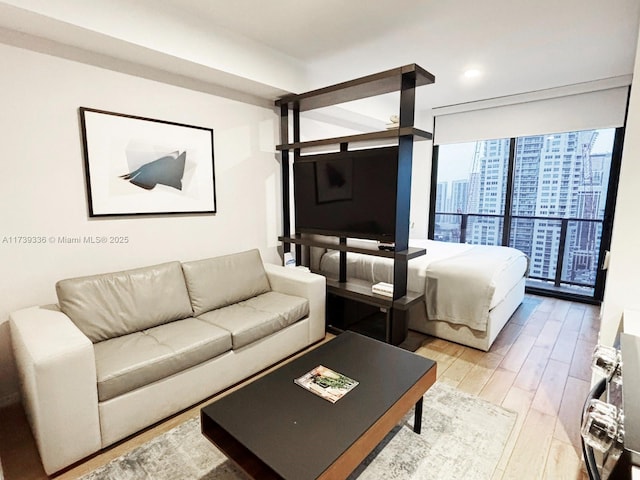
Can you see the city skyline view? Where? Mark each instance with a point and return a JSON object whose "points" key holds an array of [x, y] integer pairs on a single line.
{"points": [[463, 152], [558, 195]]}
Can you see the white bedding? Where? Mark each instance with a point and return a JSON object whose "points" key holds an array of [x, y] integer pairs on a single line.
{"points": [[461, 282]]}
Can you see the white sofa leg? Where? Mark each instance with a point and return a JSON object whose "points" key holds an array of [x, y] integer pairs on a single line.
{"points": [[57, 372]]}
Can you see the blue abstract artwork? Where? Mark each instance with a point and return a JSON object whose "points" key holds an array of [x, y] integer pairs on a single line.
{"points": [[167, 170]]}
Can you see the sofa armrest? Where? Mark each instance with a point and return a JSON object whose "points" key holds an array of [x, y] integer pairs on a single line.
{"points": [[311, 286], [56, 367]]}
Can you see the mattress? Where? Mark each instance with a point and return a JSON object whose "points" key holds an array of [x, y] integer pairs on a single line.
{"points": [[461, 282]]}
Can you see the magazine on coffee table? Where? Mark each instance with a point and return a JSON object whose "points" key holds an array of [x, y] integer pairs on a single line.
{"points": [[326, 383]]}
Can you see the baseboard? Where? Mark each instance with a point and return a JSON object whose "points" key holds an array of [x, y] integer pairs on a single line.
{"points": [[9, 399]]}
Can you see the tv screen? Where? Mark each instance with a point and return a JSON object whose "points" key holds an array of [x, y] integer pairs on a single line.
{"points": [[348, 194]]}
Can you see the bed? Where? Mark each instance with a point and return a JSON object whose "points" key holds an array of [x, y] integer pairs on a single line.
{"points": [[471, 291]]}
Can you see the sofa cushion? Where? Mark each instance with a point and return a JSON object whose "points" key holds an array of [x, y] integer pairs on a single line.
{"points": [[258, 317], [221, 281], [132, 361], [290, 307], [113, 304]]}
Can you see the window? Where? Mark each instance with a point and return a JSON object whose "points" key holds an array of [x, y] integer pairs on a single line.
{"points": [[559, 211], [476, 185]]}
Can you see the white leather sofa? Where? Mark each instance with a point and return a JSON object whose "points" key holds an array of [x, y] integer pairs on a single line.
{"points": [[124, 350]]}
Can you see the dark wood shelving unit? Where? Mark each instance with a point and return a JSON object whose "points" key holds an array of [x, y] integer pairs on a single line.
{"points": [[359, 292], [363, 87], [403, 79], [392, 133], [411, 252]]}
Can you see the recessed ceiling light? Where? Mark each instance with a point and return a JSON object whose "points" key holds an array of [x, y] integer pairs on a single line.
{"points": [[472, 73]]}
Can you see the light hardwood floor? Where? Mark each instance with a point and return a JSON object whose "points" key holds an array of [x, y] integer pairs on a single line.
{"points": [[539, 367]]}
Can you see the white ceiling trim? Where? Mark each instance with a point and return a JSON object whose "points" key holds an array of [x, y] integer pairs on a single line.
{"points": [[193, 77], [189, 52]]}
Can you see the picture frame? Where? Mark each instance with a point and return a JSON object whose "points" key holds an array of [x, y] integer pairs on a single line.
{"points": [[143, 166]]}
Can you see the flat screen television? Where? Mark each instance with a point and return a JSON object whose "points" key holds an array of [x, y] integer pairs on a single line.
{"points": [[347, 194]]}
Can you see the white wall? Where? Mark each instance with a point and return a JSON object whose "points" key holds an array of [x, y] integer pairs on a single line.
{"points": [[42, 183], [159, 35], [623, 278], [420, 186]]}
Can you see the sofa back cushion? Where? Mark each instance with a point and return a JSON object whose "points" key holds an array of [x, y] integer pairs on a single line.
{"points": [[114, 304], [221, 281]]}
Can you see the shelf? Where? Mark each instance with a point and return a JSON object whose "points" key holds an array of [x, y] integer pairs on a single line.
{"points": [[374, 326], [392, 133], [361, 292], [364, 87], [404, 80], [411, 252]]}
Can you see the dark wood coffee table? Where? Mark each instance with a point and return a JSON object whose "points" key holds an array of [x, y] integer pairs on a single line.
{"points": [[273, 428]]}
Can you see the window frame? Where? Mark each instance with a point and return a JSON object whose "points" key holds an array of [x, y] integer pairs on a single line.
{"points": [[507, 216]]}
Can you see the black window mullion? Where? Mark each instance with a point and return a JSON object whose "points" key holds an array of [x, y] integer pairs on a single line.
{"points": [[432, 192], [609, 209], [508, 201]]}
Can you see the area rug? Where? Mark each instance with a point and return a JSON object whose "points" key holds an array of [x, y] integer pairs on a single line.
{"points": [[462, 437]]}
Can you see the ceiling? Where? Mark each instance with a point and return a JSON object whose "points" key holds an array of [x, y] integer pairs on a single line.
{"points": [[515, 45], [303, 29]]}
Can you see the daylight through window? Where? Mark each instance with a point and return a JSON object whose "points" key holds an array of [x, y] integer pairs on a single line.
{"points": [[546, 197]]}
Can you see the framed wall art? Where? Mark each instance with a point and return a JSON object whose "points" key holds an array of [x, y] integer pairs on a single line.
{"points": [[142, 166]]}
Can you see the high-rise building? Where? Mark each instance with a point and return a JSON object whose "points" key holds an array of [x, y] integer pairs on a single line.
{"points": [[459, 196], [525, 188], [488, 183], [566, 190], [557, 181], [442, 197]]}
